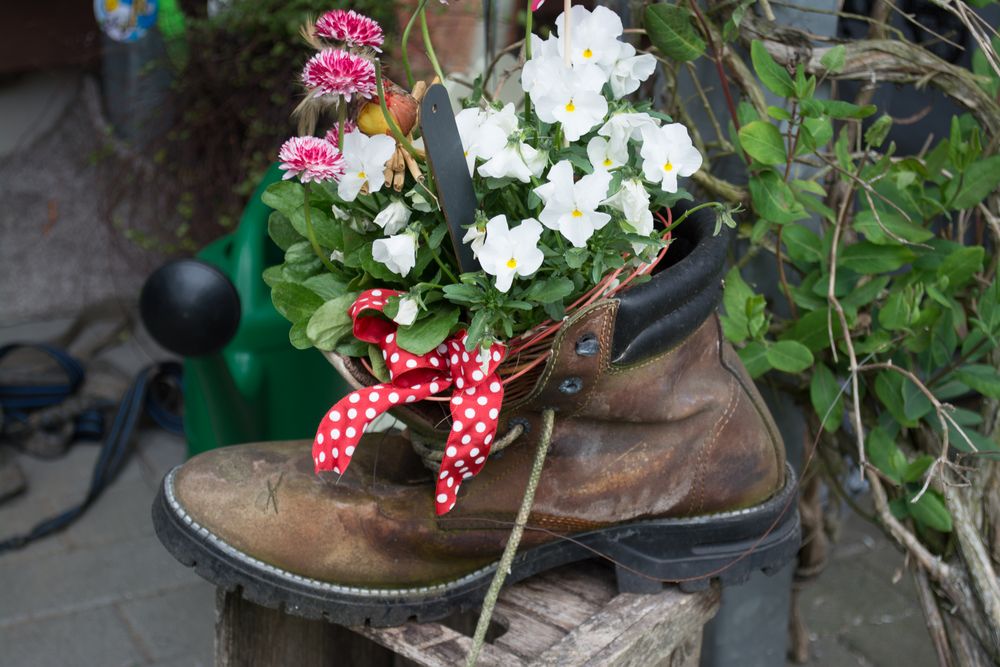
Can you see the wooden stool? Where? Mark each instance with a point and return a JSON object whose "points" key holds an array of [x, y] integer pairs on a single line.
{"points": [[564, 617]]}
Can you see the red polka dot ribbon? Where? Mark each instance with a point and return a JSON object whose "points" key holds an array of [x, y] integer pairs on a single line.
{"points": [[475, 401]]}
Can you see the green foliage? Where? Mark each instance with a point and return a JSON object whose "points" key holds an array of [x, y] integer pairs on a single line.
{"points": [[671, 31], [922, 307]]}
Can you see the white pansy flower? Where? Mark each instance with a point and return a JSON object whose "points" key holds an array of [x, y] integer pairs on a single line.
{"points": [[483, 133], [633, 201], [667, 152], [398, 253], [393, 217], [630, 70], [604, 156], [571, 208], [407, 313], [594, 36], [475, 237], [570, 96], [516, 160], [364, 160], [509, 252], [624, 126]]}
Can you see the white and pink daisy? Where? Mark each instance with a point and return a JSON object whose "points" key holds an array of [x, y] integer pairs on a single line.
{"points": [[351, 27], [337, 72], [331, 134], [311, 159]]}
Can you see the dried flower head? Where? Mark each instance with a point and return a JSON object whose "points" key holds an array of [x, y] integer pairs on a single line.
{"points": [[311, 159], [337, 72], [351, 27]]}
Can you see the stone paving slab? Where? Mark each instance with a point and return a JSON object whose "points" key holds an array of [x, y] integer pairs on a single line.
{"points": [[177, 624], [92, 637]]}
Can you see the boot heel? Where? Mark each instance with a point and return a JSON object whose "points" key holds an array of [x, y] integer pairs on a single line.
{"points": [[630, 581]]}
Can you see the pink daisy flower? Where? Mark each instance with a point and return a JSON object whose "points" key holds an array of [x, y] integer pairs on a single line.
{"points": [[311, 159], [336, 72], [351, 27], [331, 134]]}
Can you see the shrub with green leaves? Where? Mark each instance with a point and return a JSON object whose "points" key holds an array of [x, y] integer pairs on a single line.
{"points": [[882, 314]]}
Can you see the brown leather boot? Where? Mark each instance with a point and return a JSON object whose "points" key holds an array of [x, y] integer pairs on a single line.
{"points": [[663, 459]]}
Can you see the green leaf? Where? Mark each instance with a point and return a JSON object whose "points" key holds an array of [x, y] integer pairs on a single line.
{"points": [[889, 389], [841, 109], [820, 129], [297, 336], [734, 299], [280, 229], [866, 257], [326, 285], [885, 455], [775, 77], [774, 200], [931, 511], [789, 356], [778, 113], [549, 291], [961, 264], [865, 293], [827, 401], [754, 358], [802, 243], [813, 329], [833, 60], [917, 467], [916, 404], [763, 142], [957, 439], [979, 180], [878, 131], [331, 322], [294, 302], [427, 333], [284, 196], [889, 227], [981, 377], [670, 30]]}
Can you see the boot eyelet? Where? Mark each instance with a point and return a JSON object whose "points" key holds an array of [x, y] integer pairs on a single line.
{"points": [[588, 345], [571, 385]]}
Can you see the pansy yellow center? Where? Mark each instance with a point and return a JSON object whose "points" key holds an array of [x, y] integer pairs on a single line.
{"points": [[607, 162], [668, 166], [587, 53], [577, 213], [362, 174], [511, 263], [570, 107]]}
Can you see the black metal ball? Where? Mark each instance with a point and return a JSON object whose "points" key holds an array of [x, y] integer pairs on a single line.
{"points": [[190, 307]]}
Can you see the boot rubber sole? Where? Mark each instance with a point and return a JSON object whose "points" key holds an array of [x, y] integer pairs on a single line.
{"points": [[690, 552]]}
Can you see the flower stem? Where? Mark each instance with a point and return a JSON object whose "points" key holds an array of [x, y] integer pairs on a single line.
{"points": [[389, 120], [528, 21], [312, 232], [428, 45], [405, 56], [437, 258], [341, 119], [711, 204]]}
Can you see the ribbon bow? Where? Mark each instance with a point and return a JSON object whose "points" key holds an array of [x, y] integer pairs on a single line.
{"points": [[475, 403]]}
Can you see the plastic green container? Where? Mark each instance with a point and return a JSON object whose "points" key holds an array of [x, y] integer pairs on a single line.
{"points": [[259, 387]]}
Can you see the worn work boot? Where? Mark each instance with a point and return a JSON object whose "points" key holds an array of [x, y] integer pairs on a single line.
{"points": [[663, 459]]}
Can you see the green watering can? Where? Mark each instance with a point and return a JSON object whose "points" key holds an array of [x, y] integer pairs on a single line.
{"points": [[243, 380]]}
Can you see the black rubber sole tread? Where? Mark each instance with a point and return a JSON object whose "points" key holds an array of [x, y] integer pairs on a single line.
{"points": [[691, 553]]}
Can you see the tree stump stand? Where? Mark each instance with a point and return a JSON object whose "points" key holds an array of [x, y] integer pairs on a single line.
{"points": [[568, 616]]}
